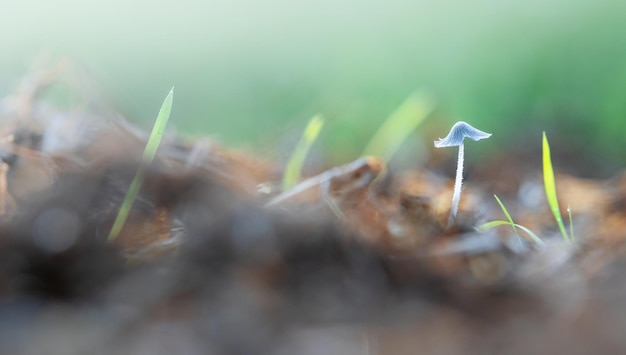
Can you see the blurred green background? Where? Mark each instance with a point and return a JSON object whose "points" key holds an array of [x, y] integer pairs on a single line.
{"points": [[253, 72]]}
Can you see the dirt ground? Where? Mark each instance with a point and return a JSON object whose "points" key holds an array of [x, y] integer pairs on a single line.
{"points": [[214, 260]]}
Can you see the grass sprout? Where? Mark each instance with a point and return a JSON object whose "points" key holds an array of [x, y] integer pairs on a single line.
{"points": [[510, 222], [294, 167], [550, 187], [148, 156], [492, 224], [571, 224], [506, 214], [397, 127]]}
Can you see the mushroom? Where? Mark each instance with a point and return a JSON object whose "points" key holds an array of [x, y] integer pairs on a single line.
{"points": [[458, 133]]}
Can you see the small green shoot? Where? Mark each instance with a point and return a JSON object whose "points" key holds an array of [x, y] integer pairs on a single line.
{"points": [[148, 156], [492, 224], [294, 167], [397, 127], [550, 187], [571, 224], [510, 222], [506, 214]]}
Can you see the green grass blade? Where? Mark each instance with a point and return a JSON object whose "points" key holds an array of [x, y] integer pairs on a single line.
{"points": [[492, 224], [571, 224], [294, 167], [550, 187], [148, 155], [397, 127], [129, 199], [506, 213], [158, 129], [485, 226], [534, 236]]}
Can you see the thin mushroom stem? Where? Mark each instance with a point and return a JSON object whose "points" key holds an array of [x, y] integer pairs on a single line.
{"points": [[455, 138], [456, 196]]}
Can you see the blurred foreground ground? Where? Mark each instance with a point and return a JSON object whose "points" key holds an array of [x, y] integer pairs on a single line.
{"points": [[204, 266]]}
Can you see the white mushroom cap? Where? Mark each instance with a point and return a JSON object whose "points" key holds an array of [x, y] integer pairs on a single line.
{"points": [[458, 133]]}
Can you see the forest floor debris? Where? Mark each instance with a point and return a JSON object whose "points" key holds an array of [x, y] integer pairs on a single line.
{"points": [[361, 262]]}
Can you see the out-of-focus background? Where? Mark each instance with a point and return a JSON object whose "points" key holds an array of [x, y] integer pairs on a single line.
{"points": [[253, 72]]}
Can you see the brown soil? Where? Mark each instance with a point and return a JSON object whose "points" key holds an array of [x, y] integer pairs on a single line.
{"points": [[361, 263]]}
